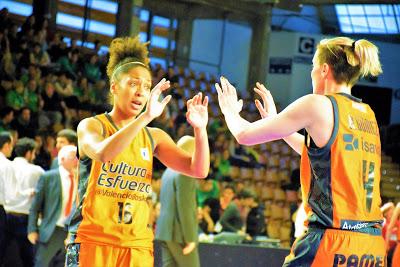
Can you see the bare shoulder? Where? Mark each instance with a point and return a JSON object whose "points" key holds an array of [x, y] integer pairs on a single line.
{"points": [[313, 100], [89, 125], [159, 135]]}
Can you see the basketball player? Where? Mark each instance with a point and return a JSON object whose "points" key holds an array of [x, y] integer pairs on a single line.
{"points": [[340, 163], [110, 224], [393, 224]]}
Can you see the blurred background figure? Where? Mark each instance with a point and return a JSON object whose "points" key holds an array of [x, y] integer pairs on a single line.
{"points": [[177, 226], [53, 200], [20, 193], [6, 173]]}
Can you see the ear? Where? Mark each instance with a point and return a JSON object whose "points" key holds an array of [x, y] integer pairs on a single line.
{"points": [[113, 87], [325, 69]]}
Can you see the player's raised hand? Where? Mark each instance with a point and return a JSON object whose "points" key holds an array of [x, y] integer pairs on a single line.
{"points": [[154, 106], [197, 111]]}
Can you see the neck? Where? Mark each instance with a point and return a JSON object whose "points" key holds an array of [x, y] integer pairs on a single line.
{"points": [[333, 88], [120, 118]]}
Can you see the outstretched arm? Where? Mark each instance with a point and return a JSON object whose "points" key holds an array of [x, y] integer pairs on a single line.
{"points": [[300, 114]]}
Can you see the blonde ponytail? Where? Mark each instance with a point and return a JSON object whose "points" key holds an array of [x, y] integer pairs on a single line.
{"points": [[367, 53], [349, 59]]}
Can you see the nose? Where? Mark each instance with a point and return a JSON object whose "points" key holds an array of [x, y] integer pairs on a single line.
{"points": [[140, 89]]}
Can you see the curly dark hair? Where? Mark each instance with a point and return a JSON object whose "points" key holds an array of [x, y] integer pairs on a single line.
{"points": [[124, 50]]}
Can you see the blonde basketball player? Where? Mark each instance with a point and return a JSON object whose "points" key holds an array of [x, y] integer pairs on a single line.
{"points": [[340, 155]]}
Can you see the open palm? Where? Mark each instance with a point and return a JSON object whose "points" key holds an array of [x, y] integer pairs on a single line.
{"points": [[267, 108], [227, 98], [154, 106], [197, 111]]}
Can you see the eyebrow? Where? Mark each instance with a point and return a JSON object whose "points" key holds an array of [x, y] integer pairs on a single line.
{"points": [[136, 78]]}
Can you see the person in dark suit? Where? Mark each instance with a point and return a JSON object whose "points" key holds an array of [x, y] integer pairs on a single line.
{"points": [[177, 226], [53, 200]]}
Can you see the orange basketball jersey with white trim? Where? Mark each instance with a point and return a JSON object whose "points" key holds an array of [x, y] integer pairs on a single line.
{"points": [[340, 182], [113, 197]]}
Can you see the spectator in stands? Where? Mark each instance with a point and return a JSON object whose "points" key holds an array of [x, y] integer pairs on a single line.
{"points": [[22, 55], [91, 69], [32, 98], [15, 98], [223, 166], [206, 224], [227, 196], [53, 107], [22, 191], [53, 200], [6, 174], [207, 188], [65, 137], [69, 64], [13, 37], [43, 157], [171, 76], [331, 196], [6, 117], [255, 221], [212, 212], [58, 48], [158, 73], [38, 56], [177, 225], [5, 20], [231, 220], [7, 66], [29, 24], [33, 73], [24, 124]]}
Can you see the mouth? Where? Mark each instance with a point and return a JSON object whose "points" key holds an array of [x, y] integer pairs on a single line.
{"points": [[135, 104]]}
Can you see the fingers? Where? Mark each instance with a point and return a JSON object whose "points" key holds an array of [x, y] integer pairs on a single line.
{"points": [[165, 86], [197, 100], [205, 101], [165, 101], [219, 90], [231, 88], [240, 102], [261, 87], [162, 85], [223, 85], [261, 93], [258, 105]]}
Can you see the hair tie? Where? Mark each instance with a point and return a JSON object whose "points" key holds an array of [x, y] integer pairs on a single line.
{"points": [[353, 45]]}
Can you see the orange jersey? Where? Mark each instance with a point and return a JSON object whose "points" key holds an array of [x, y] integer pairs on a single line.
{"points": [[340, 181], [112, 197]]}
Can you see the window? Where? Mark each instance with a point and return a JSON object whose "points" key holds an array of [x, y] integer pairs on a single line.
{"points": [[102, 5], [93, 25], [17, 7], [369, 19]]}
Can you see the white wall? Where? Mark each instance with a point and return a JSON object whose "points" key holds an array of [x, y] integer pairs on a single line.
{"points": [[288, 87], [232, 60]]}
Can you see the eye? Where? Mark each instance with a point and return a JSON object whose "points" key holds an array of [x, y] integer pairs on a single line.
{"points": [[132, 83]]}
